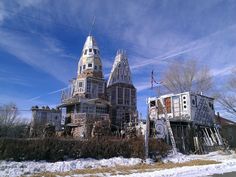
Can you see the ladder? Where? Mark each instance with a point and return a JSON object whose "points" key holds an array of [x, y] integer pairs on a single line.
{"points": [[209, 138], [218, 136], [172, 139]]}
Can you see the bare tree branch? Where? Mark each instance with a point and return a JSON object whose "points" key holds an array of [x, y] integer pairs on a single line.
{"points": [[228, 99], [187, 76]]}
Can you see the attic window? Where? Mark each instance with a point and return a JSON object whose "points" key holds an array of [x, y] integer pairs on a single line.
{"points": [[94, 51], [85, 52], [90, 65], [90, 50]]}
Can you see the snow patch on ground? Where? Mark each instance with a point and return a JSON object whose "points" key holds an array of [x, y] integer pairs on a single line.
{"points": [[218, 156], [192, 171], [11, 168], [228, 164]]}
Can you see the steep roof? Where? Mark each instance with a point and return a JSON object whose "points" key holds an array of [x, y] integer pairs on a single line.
{"points": [[223, 121], [120, 72]]}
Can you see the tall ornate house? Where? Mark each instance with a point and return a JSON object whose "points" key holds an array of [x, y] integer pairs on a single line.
{"points": [[121, 92], [85, 102], [89, 107]]}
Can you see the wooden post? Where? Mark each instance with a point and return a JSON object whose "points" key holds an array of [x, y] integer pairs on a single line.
{"points": [[147, 134]]}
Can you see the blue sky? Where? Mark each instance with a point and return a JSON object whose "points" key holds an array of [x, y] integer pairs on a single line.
{"points": [[41, 42]]}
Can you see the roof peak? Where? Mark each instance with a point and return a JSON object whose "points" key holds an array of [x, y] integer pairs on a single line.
{"points": [[120, 72], [90, 43]]}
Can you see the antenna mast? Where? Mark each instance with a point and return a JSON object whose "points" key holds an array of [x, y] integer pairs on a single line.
{"points": [[93, 23], [157, 83]]}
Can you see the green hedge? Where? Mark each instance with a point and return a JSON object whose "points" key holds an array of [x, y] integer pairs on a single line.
{"points": [[53, 149]]}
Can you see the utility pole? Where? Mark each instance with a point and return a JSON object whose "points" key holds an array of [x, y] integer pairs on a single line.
{"points": [[172, 139]]}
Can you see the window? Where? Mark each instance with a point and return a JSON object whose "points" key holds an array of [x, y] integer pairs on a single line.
{"points": [[95, 67], [80, 84], [85, 52], [88, 86], [90, 50], [100, 88], [193, 102], [90, 65], [185, 106], [152, 103], [127, 96], [120, 96], [211, 105], [113, 96], [100, 67], [94, 51], [83, 66], [167, 102], [133, 97]]}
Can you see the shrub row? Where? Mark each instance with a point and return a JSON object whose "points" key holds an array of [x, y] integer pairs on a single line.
{"points": [[53, 149]]}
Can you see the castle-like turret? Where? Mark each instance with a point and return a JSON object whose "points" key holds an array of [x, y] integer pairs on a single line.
{"points": [[90, 62], [121, 92], [90, 82], [85, 102]]}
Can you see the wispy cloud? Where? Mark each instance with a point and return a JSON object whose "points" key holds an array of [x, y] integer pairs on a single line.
{"points": [[38, 52], [152, 32], [49, 93], [222, 71]]}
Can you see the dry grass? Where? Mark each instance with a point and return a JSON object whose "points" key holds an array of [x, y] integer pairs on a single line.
{"points": [[124, 170]]}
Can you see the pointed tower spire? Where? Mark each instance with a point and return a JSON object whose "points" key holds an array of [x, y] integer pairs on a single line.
{"points": [[120, 72], [90, 63]]}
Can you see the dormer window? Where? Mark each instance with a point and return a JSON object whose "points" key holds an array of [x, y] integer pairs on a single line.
{"points": [[90, 50]]}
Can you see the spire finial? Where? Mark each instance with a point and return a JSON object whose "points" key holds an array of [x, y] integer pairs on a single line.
{"points": [[93, 23]]}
